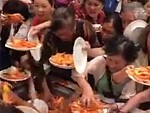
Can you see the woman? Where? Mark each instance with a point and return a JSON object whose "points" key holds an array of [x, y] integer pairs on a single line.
{"points": [[143, 58], [63, 32], [111, 26], [43, 11], [104, 68], [91, 10], [60, 38], [10, 30]]}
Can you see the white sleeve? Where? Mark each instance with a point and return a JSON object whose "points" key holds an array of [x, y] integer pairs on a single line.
{"points": [[23, 31], [96, 67], [129, 90], [40, 105]]}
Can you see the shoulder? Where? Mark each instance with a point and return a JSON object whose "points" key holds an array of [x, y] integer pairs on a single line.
{"points": [[98, 64]]}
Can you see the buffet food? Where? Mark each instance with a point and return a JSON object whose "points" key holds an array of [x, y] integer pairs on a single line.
{"points": [[14, 74], [95, 107], [21, 43], [62, 60], [140, 74], [14, 18]]}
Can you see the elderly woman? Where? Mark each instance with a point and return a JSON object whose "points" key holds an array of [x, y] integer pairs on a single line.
{"points": [[132, 11], [104, 68]]}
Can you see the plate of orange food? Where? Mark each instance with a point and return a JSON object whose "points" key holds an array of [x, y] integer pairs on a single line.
{"points": [[13, 18], [95, 107], [13, 74], [20, 44], [62, 60], [140, 74]]}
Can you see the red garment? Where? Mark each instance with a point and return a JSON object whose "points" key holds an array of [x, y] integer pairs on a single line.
{"points": [[36, 21]]}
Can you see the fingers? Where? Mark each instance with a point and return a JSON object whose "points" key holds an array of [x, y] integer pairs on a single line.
{"points": [[130, 67], [87, 101], [86, 46]]}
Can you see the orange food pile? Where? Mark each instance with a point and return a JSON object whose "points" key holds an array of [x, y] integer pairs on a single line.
{"points": [[95, 107], [63, 59], [141, 74], [58, 105], [15, 74], [15, 18], [21, 43]]}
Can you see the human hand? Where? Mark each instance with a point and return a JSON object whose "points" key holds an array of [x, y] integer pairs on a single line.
{"points": [[87, 97], [34, 30], [86, 47]]}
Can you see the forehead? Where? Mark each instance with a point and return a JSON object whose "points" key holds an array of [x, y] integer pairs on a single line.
{"points": [[41, 2], [93, 1], [128, 15], [117, 57], [108, 26]]}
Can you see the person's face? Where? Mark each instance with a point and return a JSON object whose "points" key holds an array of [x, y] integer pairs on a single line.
{"points": [[93, 7], [115, 63], [65, 33], [148, 43], [43, 9], [147, 7], [127, 18], [107, 31]]}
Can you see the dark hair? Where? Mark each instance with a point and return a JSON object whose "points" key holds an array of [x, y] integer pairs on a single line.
{"points": [[84, 1], [142, 39], [62, 16], [9, 109], [117, 22], [51, 2], [16, 6], [122, 46]]}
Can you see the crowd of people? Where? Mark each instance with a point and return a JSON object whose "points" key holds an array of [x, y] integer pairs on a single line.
{"points": [[56, 25]]}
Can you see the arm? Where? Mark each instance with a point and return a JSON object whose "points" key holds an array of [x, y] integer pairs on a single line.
{"points": [[47, 94], [136, 100], [95, 68], [119, 76], [87, 94], [94, 52], [35, 29]]}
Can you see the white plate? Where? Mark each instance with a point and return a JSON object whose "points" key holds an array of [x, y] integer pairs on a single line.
{"points": [[13, 80], [60, 66], [132, 31], [141, 82], [9, 45], [26, 109], [36, 53], [79, 55]]}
